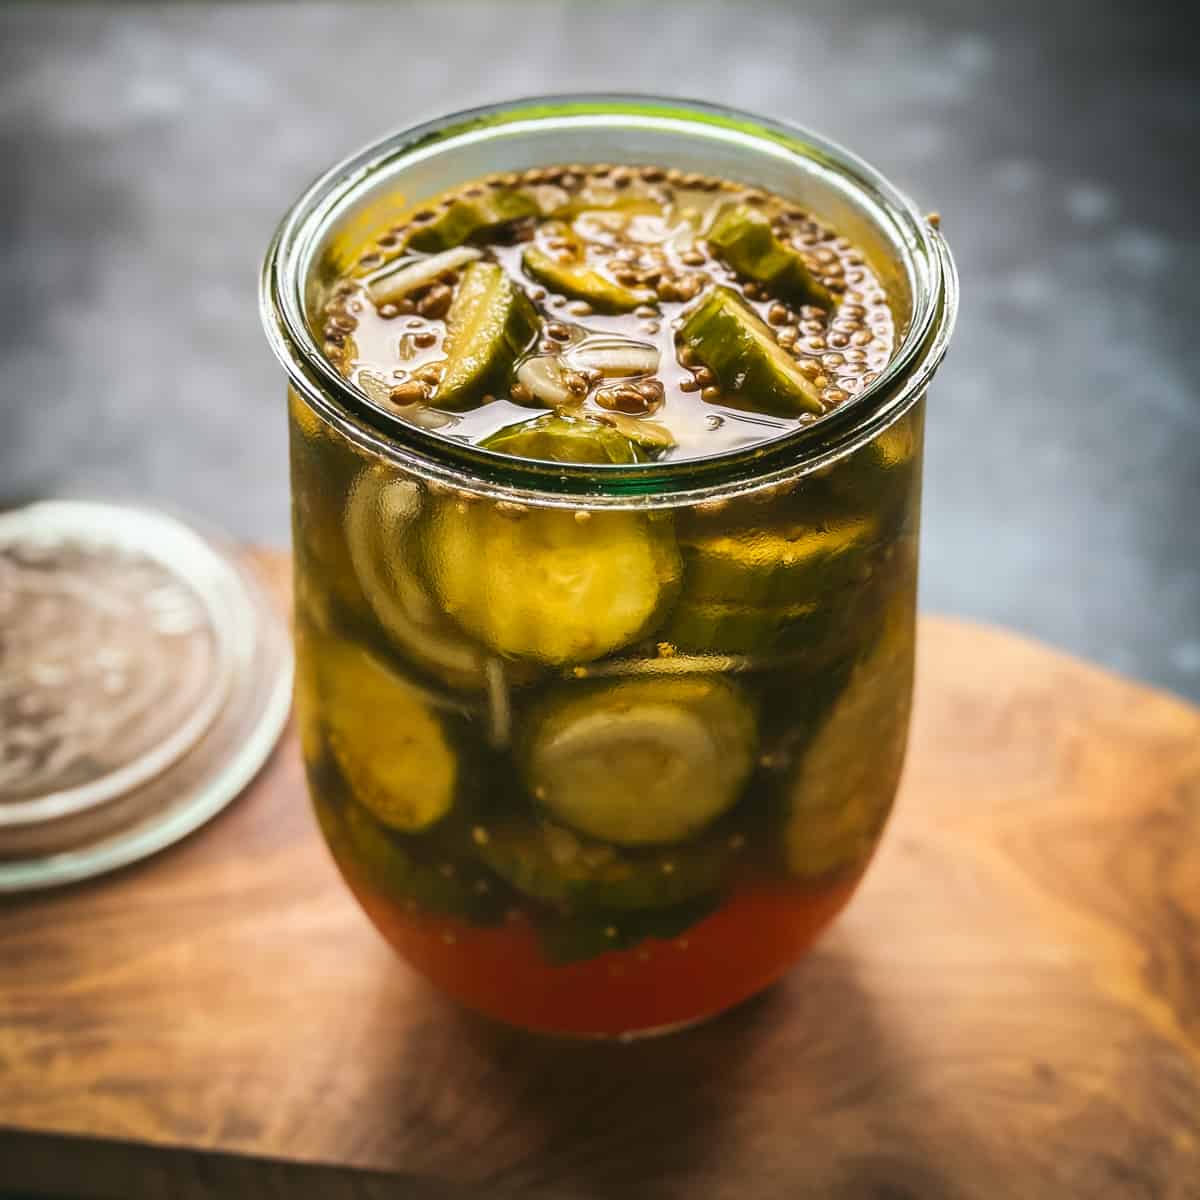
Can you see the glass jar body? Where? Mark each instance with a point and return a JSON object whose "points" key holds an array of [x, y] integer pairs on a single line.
{"points": [[602, 770]]}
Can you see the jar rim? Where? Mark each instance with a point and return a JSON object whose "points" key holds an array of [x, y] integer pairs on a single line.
{"points": [[917, 242]]}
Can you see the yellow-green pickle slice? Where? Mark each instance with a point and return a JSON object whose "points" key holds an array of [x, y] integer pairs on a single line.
{"points": [[752, 589], [576, 279], [556, 866], [423, 879], [565, 439], [390, 747], [382, 528], [490, 324], [742, 237], [640, 762], [472, 216], [842, 791], [547, 586], [753, 371]]}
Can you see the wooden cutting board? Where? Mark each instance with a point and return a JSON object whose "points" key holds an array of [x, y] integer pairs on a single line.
{"points": [[1010, 1007]]}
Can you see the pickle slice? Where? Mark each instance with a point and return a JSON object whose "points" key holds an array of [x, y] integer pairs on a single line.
{"points": [[472, 216], [748, 589], [381, 530], [581, 282], [742, 238], [641, 762], [579, 936], [555, 866], [754, 372], [842, 792], [490, 323], [566, 440], [544, 585], [390, 748], [419, 876]]}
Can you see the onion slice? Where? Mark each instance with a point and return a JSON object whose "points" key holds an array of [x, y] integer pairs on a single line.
{"points": [[395, 285]]}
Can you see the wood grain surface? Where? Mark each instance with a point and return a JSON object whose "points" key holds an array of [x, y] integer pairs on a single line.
{"points": [[1009, 1007]]}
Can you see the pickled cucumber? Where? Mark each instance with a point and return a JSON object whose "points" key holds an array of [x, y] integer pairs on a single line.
{"points": [[568, 938], [548, 587], [471, 216], [565, 439], [420, 877], [389, 746], [842, 791], [752, 589], [754, 372], [640, 762], [382, 519], [556, 866], [490, 324], [581, 282], [742, 238]]}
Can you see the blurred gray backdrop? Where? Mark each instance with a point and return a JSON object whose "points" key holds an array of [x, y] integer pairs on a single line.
{"points": [[149, 150]]}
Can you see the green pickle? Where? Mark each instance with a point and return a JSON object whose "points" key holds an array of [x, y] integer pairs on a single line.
{"points": [[754, 589], [546, 587], [389, 745], [471, 217], [841, 794], [742, 237], [751, 368], [575, 279], [557, 677], [490, 323], [565, 439], [641, 762]]}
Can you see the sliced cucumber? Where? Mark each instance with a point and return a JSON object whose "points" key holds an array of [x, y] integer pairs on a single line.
{"points": [[490, 324], [420, 877], [581, 282], [840, 796], [555, 866], [641, 762], [741, 236], [382, 525], [753, 589], [651, 436], [390, 747], [472, 216], [580, 936], [546, 586], [754, 372], [565, 439]]}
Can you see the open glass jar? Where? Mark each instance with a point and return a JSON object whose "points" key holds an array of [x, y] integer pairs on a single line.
{"points": [[654, 820]]}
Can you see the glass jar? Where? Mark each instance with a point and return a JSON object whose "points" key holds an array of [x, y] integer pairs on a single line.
{"points": [[618, 768]]}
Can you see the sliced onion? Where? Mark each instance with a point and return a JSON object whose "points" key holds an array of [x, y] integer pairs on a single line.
{"points": [[387, 289], [614, 357], [545, 376]]}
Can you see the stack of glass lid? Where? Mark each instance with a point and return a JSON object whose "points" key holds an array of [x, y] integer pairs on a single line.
{"points": [[144, 678]]}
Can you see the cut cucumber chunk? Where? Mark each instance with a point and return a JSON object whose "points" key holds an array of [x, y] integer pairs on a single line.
{"points": [[754, 372], [472, 216], [752, 589], [381, 531], [390, 748], [418, 876], [641, 762], [580, 936], [490, 324], [650, 436], [566, 440], [579, 281], [555, 866], [544, 585], [742, 238], [840, 796]]}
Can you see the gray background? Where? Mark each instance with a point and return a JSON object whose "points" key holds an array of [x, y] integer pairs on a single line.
{"points": [[149, 150]]}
